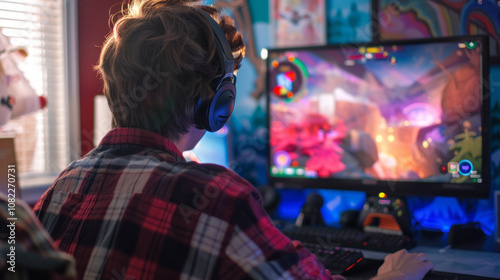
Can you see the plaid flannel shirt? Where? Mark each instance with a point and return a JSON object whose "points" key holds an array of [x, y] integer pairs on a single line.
{"points": [[26, 249], [133, 208]]}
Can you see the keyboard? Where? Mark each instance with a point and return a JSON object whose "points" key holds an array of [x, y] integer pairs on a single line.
{"points": [[337, 260], [350, 238]]}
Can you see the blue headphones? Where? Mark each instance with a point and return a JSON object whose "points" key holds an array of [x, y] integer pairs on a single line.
{"points": [[213, 113]]}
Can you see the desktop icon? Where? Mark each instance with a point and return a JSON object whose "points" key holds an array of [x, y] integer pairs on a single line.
{"points": [[282, 159], [274, 170], [465, 167], [443, 169], [453, 167], [300, 171], [471, 45]]}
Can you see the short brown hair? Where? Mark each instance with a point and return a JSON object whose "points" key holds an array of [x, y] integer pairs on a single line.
{"points": [[158, 62]]}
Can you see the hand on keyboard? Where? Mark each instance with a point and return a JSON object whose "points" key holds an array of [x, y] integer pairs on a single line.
{"points": [[404, 266], [336, 260]]}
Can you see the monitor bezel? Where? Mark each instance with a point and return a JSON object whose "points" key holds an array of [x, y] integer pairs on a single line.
{"points": [[395, 187]]}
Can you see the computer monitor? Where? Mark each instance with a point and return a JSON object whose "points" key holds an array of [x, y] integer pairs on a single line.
{"points": [[403, 117], [212, 148]]}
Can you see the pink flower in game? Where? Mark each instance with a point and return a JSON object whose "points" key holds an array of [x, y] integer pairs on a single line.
{"points": [[283, 138], [339, 133], [327, 159]]}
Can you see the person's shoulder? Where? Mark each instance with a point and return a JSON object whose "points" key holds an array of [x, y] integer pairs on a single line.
{"points": [[216, 175], [211, 189], [213, 180], [211, 169]]}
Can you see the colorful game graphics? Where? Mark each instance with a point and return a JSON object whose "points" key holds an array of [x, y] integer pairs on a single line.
{"points": [[362, 54], [453, 167], [282, 159], [288, 78], [386, 112], [461, 169]]}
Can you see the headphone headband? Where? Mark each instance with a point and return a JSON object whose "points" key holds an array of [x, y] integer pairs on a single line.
{"points": [[223, 49], [213, 113]]}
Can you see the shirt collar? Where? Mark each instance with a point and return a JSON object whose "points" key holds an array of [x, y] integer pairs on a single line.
{"points": [[142, 137]]}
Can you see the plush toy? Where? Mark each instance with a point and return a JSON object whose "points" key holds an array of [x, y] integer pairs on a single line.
{"points": [[17, 97]]}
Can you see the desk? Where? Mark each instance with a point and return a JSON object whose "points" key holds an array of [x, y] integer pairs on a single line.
{"points": [[461, 262], [479, 259]]}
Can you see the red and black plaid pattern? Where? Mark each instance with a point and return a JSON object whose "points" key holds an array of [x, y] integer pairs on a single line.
{"points": [[133, 208]]}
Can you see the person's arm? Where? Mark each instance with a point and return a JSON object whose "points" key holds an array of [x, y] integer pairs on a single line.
{"points": [[43, 204], [255, 248]]}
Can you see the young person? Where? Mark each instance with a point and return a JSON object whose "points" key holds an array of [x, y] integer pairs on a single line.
{"points": [[133, 207]]}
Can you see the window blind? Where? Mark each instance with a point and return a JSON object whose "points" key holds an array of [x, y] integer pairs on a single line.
{"points": [[42, 140]]}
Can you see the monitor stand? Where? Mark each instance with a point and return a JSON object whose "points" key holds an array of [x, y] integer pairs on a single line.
{"points": [[385, 214]]}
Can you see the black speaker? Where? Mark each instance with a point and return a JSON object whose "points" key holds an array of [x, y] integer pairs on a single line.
{"points": [[310, 214]]}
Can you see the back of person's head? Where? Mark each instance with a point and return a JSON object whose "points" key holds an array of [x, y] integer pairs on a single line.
{"points": [[159, 61]]}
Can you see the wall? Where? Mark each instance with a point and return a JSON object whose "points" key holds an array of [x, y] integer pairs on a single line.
{"points": [[93, 26]]}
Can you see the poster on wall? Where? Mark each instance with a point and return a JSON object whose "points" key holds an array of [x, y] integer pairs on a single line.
{"points": [[439, 18], [297, 22], [348, 21]]}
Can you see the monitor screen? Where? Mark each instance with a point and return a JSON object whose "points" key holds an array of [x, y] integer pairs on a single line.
{"points": [[406, 117], [212, 148]]}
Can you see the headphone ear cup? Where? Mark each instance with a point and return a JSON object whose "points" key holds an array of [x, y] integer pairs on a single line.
{"points": [[212, 114], [221, 107]]}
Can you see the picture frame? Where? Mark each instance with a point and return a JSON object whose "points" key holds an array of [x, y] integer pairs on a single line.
{"points": [[297, 23]]}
